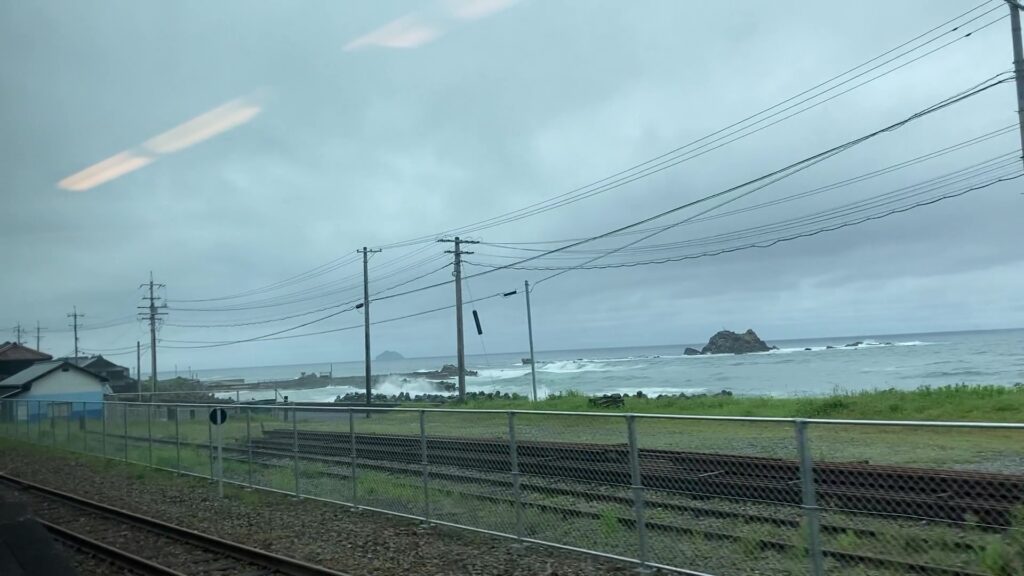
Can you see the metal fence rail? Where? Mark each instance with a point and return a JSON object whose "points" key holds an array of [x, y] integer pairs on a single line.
{"points": [[700, 495]]}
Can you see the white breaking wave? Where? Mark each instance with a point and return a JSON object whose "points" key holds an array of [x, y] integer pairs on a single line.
{"points": [[572, 366], [502, 373], [653, 392]]}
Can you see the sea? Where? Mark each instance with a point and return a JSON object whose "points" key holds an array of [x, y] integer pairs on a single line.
{"points": [[804, 367]]}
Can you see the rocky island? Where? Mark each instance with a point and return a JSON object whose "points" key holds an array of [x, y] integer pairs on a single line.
{"points": [[729, 342], [389, 355]]}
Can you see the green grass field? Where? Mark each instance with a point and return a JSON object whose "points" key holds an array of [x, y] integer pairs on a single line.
{"points": [[978, 403]]}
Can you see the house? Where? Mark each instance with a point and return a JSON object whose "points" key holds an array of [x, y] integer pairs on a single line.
{"points": [[119, 377], [14, 357], [56, 387]]}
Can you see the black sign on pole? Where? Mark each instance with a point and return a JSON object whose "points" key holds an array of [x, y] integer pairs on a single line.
{"points": [[218, 416]]}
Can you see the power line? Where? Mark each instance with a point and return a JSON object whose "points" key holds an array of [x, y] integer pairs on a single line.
{"points": [[760, 181], [973, 170], [773, 242], [812, 192], [211, 344], [786, 171], [672, 158], [605, 184], [306, 295], [307, 313], [301, 277], [343, 328]]}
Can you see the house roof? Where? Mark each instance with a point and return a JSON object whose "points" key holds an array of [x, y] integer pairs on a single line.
{"points": [[16, 351], [22, 381], [94, 363]]}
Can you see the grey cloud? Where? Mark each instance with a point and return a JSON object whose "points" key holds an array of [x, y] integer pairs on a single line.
{"points": [[370, 147]]}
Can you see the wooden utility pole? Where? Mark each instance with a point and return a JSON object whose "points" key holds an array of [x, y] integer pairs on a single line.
{"points": [[17, 333], [152, 315], [38, 337], [459, 341], [366, 252], [1018, 65], [74, 324]]}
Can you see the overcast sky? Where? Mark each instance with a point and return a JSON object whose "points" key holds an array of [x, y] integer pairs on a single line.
{"points": [[241, 143]]}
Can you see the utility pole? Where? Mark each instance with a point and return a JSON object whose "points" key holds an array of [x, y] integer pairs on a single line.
{"points": [[1018, 65], [138, 368], [366, 252], [152, 315], [529, 329], [459, 342], [17, 333], [38, 337], [74, 324]]}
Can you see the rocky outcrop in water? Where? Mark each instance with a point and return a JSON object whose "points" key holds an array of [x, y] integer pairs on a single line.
{"points": [[728, 342], [447, 371], [389, 356], [691, 352]]}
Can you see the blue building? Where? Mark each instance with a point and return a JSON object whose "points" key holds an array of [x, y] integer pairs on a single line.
{"points": [[55, 388]]}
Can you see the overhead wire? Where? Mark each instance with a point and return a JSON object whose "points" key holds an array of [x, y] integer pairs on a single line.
{"points": [[771, 177], [610, 182], [673, 157], [306, 295], [773, 242], [760, 182], [1011, 128], [341, 329], [308, 312], [994, 163]]}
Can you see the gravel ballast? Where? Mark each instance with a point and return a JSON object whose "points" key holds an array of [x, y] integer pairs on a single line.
{"points": [[332, 535]]}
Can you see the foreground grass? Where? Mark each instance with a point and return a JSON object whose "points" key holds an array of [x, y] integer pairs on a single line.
{"points": [[977, 403]]}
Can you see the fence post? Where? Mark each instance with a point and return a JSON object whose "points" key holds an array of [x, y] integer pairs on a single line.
{"points": [[513, 455], [209, 432], [426, 468], [103, 430], [352, 445], [248, 440], [53, 423], [809, 499], [295, 449], [67, 425], [149, 431], [124, 412], [177, 439], [637, 487], [84, 427]]}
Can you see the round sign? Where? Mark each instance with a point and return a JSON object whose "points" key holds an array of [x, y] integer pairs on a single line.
{"points": [[218, 416]]}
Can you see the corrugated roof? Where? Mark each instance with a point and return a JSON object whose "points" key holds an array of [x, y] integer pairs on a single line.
{"points": [[40, 369], [15, 351]]}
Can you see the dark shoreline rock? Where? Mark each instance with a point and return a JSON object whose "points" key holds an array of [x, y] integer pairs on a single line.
{"points": [[728, 342], [447, 371], [691, 352]]}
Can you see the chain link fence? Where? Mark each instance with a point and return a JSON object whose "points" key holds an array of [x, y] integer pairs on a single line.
{"points": [[699, 495]]}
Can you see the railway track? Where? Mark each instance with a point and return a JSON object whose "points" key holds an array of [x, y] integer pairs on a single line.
{"points": [[938, 494], [276, 449], [142, 545], [986, 499], [283, 460]]}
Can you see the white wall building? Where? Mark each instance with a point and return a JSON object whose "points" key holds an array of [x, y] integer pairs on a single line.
{"points": [[54, 388]]}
